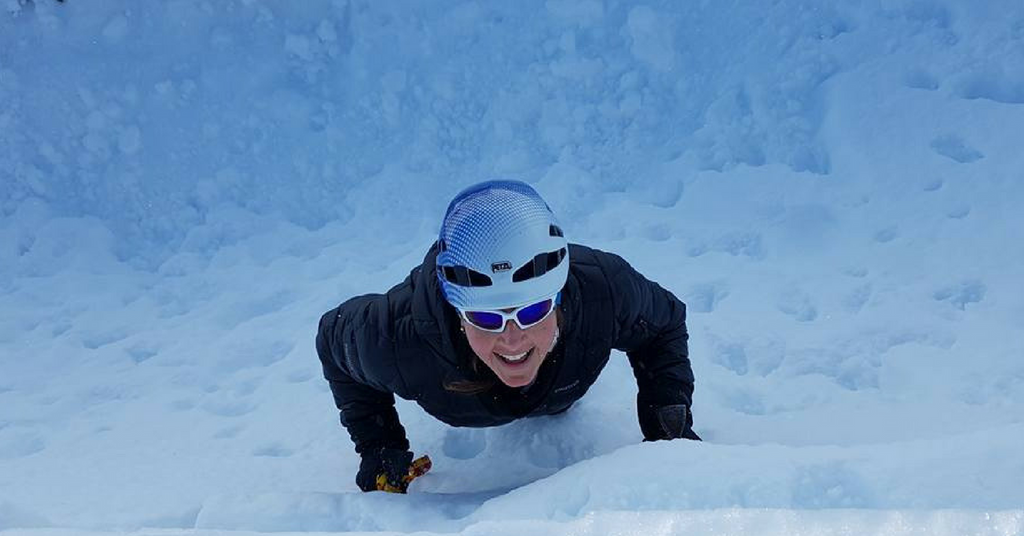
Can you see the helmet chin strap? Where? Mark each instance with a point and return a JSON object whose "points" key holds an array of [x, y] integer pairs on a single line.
{"points": [[554, 340]]}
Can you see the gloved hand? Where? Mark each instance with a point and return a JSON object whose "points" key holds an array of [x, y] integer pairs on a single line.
{"points": [[390, 470], [392, 463], [668, 422]]}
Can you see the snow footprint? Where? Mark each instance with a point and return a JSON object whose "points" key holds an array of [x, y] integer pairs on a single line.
{"points": [[95, 341], [228, 432], [887, 234], [224, 406], [857, 298], [658, 232], [920, 79], [958, 211], [704, 297], [140, 354], [464, 443], [955, 148], [738, 244], [993, 85], [798, 305], [760, 356], [273, 450], [961, 294], [20, 445], [732, 356], [300, 376], [743, 400], [932, 185]]}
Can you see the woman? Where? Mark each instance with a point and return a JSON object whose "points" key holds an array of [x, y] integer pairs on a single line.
{"points": [[504, 319]]}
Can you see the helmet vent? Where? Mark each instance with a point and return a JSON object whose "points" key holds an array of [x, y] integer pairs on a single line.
{"points": [[555, 230], [465, 277], [540, 265]]}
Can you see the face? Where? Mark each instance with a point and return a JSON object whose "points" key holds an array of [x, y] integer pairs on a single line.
{"points": [[514, 355]]}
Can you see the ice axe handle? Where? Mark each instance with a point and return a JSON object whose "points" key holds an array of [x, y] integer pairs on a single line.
{"points": [[417, 468]]}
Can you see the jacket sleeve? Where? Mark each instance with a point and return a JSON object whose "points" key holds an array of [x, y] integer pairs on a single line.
{"points": [[367, 407], [650, 326]]}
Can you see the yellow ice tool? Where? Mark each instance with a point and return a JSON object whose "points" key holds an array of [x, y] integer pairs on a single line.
{"points": [[417, 468]]}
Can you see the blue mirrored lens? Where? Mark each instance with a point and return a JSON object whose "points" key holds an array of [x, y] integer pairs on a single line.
{"points": [[535, 313], [485, 320]]}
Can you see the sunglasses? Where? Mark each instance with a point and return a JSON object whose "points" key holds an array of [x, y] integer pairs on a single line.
{"points": [[525, 316]]}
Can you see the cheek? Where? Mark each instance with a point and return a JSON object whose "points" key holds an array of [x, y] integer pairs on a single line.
{"points": [[481, 343], [542, 336]]}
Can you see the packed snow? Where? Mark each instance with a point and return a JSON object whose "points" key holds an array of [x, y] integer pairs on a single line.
{"points": [[833, 188]]}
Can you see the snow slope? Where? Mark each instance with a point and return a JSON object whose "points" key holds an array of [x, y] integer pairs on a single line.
{"points": [[186, 186]]}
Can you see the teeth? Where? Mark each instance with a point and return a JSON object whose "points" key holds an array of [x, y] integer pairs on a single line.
{"points": [[514, 358]]}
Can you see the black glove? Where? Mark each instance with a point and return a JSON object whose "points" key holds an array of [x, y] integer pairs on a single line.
{"points": [[392, 463], [667, 422]]}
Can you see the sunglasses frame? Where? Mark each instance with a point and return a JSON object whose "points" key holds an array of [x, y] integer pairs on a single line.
{"points": [[513, 315]]}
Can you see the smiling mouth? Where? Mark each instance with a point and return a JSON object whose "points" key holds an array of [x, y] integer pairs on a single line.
{"points": [[515, 359]]}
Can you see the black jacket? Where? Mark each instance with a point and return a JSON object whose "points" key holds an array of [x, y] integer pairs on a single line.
{"points": [[407, 343]]}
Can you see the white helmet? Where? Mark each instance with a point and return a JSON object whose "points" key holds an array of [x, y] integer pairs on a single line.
{"points": [[499, 247]]}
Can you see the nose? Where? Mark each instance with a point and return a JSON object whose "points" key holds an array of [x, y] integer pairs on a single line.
{"points": [[512, 334]]}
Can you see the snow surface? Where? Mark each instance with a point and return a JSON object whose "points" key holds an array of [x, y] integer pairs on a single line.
{"points": [[834, 189]]}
